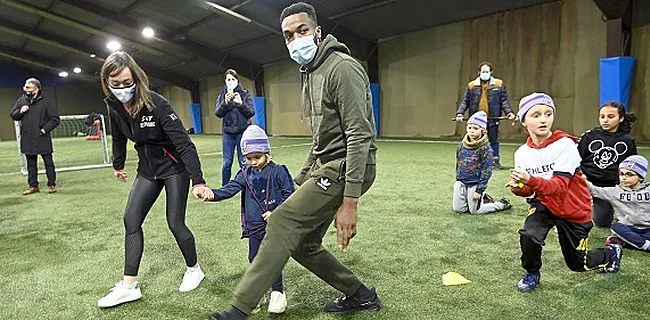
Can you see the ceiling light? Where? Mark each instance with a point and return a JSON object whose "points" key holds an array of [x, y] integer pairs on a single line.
{"points": [[113, 45], [92, 55], [63, 74], [77, 70], [148, 32]]}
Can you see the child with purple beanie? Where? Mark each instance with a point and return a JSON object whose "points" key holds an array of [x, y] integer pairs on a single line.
{"points": [[264, 186]]}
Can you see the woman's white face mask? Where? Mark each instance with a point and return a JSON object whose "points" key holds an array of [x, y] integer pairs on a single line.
{"points": [[123, 94], [231, 84]]}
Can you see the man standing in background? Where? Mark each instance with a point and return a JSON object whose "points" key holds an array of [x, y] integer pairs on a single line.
{"points": [[488, 94], [38, 117]]}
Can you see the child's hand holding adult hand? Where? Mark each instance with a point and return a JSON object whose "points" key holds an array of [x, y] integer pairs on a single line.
{"points": [[208, 195]]}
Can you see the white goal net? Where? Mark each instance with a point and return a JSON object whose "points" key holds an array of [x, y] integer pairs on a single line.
{"points": [[79, 143]]}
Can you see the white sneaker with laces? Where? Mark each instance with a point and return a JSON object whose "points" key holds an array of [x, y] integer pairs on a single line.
{"points": [[278, 302], [191, 279], [120, 294]]}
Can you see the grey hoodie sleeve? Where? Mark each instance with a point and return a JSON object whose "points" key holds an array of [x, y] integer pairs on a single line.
{"points": [[605, 193], [351, 95]]}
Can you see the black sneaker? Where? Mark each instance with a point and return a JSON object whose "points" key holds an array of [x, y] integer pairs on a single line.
{"points": [[219, 316], [347, 304], [226, 315], [506, 203]]}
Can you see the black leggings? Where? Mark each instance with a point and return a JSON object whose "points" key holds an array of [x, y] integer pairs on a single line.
{"points": [[143, 195]]}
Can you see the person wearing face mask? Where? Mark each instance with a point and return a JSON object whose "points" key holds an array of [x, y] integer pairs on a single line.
{"points": [[487, 94], [235, 107], [38, 116], [340, 167], [167, 159]]}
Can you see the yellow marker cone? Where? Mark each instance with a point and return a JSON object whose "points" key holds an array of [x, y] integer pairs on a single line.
{"points": [[453, 279]]}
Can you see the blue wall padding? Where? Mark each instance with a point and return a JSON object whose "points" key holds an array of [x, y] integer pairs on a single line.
{"points": [[374, 91], [197, 121], [616, 79], [260, 112]]}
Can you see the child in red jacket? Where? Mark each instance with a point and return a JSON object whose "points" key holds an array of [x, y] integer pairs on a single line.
{"points": [[547, 167]]}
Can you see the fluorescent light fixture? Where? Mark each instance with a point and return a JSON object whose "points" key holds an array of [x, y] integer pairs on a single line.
{"points": [[113, 45], [63, 74], [148, 32], [77, 70], [228, 11], [92, 55]]}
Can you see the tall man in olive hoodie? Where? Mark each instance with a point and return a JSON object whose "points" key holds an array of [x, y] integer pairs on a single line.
{"points": [[340, 167]]}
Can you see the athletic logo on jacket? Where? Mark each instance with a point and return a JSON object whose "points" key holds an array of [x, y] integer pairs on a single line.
{"points": [[147, 122], [605, 156], [324, 183]]}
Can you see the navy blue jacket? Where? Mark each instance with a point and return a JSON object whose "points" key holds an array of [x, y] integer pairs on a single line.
{"points": [[236, 117], [255, 198], [497, 98]]}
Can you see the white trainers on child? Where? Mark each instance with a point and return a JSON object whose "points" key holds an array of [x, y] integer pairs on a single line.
{"points": [[120, 294], [278, 302], [191, 279]]}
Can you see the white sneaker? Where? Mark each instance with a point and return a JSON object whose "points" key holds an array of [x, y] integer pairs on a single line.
{"points": [[120, 294], [191, 279], [278, 302]]}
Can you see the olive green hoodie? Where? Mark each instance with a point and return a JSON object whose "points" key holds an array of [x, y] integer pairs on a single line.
{"points": [[338, 107]]}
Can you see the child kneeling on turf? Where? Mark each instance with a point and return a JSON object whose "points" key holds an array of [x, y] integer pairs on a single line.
{"points": [[548, 167], [264, 186], [631, 202], [474, 169]]}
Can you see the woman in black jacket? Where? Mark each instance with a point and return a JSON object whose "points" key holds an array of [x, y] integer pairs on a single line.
{"points": [[235, 106], [167, 159]]}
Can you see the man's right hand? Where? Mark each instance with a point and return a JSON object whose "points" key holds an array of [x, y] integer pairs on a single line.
{"points": [[459, 117], [24, 109]]}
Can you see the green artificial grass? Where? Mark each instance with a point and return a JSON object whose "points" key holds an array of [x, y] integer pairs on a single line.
{"points": [[61, 252]]}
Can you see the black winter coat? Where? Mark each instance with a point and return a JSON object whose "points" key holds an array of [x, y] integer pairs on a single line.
{"points": [[42, 114]]}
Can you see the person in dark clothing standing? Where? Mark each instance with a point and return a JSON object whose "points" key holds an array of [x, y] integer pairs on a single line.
{"points": [[487, 93], [340, 168], [167, 159], [235, 107], [38, 116], [602, 149]]}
